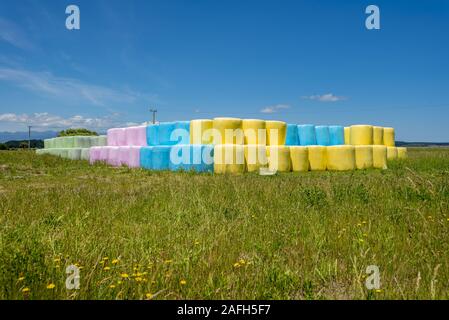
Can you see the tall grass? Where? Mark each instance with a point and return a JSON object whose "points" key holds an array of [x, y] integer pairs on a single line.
{"points": [[138, 234]]}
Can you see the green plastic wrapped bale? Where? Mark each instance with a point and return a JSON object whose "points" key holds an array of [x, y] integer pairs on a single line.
{"points": [[85, 154], [82, 142], [74, 154], [99, 141], [47, 143]]}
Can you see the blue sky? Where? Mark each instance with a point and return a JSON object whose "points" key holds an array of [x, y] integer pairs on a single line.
{"points": [[297, 61]]}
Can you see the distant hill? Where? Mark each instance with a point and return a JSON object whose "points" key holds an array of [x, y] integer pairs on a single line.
{"points": [[18, 136], [422, 144]]}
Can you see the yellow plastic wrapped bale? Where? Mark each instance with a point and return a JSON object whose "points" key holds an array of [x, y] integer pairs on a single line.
{"points": [[254, 131], [300, 158], [402, 152], [279, 158], [276, 132], [227, 131], [347, 135], [255, 157], [361, 135], [363, 157], [201, 131], [389, 137], [380, 157], [378, 135], [317, 158], [340, 158], [229, 158], [392, 153]]}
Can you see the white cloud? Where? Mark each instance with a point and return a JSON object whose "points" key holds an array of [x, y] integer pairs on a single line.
{"points": [[71, 89], [48, 121], [12, 34], [275, 108], [328, 97]]}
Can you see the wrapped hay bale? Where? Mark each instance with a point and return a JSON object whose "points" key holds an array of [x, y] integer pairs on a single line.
{"points": [[317, 158], [201, 131], [196, 157], [364, 157], [392, 153], [229, 158], [254, 131], [347, 135], [389, 139], [380, 157], [279, 158], [300, 158], [94, 154], [341, 158], [255, 157], [276, 132], [361, 135], [85, 154], [165, 134], [307, 136], [181, 134], [228, 131], [153, 135], [336, 135], [136, 136], [104, 154], [74, 154], [292, 136], [82, 142], [402, 153], [160, 158], [378, 135], [322, 135], [113, 158], [146, 157]]}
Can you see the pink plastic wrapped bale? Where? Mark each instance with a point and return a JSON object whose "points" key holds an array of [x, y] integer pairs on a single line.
{"points": [[103, 155], [134, 157], [124, 155], [116, 137], [136, 136], [114, 156], [94, 154]]}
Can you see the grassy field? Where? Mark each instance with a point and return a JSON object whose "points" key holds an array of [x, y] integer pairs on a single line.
{"points": [[144, 235]]}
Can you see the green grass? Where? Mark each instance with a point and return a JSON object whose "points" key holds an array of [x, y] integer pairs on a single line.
{"points": [[300, 236]]}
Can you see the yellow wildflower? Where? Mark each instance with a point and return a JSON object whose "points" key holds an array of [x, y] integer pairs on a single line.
{"points": [[168, 261], [112, 286], [115, 261], [138, 279], [149, 296], [106, 268], [378, 291], [124, 275], [26, 290], [105, 258], [183, 282], [236, 265], [51, 286], [242, 262], [21, 279], [56, 260]]}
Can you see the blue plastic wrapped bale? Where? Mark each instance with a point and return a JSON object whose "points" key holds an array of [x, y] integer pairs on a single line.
{"points": [[322, 135], [307, 135], [165, 133], [292, 138], [146, 157], [337, 135], [160, 158], [181, 134], [153, 134], [194, 157]]}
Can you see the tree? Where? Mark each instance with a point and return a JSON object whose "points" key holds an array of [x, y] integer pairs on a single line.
{"points": [[3, 146], [77, 132], [23, 145]]}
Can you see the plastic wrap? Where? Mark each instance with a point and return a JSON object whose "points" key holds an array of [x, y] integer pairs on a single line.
{"points": [[307, 136], [340, 158], [276, 132]]}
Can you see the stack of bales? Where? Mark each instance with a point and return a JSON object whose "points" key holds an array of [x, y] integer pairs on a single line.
{"points": [[72, 147], [177, 146], [123, 147]]}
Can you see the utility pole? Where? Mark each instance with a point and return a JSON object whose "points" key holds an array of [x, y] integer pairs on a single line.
{"points": [[29, 137], [154, 115]]}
